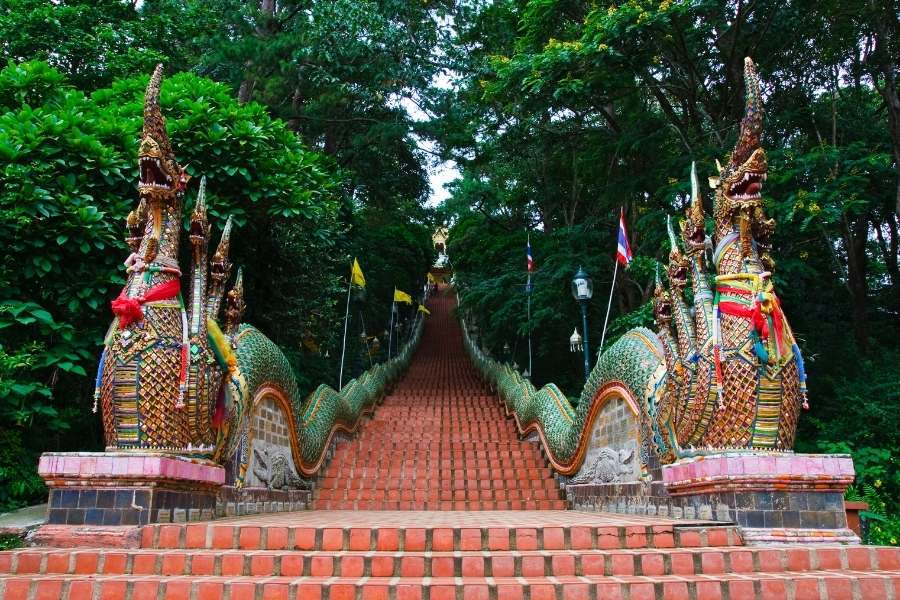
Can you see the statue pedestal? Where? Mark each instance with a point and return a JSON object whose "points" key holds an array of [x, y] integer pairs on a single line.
{"points": [[128, 488], [774, 497]]}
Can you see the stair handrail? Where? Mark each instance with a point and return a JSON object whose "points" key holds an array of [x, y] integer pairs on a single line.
{"points": [[328, 410], [546, 411]]}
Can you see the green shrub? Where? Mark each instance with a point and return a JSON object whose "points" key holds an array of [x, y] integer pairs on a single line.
{"points": [[68, 174]]}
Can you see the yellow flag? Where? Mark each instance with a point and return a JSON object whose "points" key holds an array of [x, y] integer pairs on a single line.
{"points": [[422, 309], [430, 277], [402, 296], [356, 275]]}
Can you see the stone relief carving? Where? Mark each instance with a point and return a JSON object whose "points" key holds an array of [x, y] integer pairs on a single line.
{"points": [[274, 469], [613, 453], [608, 465]]}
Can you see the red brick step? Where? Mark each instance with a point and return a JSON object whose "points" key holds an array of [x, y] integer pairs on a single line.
{"points": [[823, 585], [419, 535], [439, 441], [498, 563]]}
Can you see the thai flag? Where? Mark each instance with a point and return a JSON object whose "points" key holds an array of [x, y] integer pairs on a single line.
{"points": [[623, 251], [529, 256]]}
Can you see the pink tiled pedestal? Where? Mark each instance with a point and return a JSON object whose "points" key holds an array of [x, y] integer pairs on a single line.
{"points": [[128, 488], [774, 497]]}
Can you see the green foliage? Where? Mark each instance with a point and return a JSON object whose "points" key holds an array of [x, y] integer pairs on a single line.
{"points": [[96, 41], [11, 542], [67, 180], [19, 481], [336, 71], [880, 528], [871, 387]]}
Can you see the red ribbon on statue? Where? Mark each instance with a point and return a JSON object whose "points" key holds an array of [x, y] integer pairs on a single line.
{"points": [[754, 313], [129, 309], [758, 318]]}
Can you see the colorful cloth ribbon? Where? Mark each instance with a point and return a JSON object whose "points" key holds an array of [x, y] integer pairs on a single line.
{"points": [[756, 314], [129, 309]]}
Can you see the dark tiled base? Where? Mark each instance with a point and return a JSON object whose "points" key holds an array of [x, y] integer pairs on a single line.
{"points": [[774, 509], [128, 506], [248, 501], [140, 506]]}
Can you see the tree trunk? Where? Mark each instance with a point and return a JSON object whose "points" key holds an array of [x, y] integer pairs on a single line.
{"points": [[889, 247], [855, 237], [246, 89], [882, 65]]}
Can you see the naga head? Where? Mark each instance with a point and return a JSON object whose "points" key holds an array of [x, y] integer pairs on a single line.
{"points": [[135, 223], [162, 178], [199, 229], [739, 184], [220, 265], [235, 305], [679, 265], [662, 304], [693, 229]]}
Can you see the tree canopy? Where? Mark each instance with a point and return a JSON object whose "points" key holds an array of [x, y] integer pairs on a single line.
{"points": [[317, 121]]}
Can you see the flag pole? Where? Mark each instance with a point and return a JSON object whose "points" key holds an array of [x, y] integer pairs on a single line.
{"points": [[391, 330], [362, 320], [528, 290], [344, 344], [608, 306], [530, 368]]}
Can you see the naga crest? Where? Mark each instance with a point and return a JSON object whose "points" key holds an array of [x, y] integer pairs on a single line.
{"points": [[220, 265], [159, 372], [736, 377], [235, 305], [135, 224], [693, 228], [662, 304], [161, 175], [679, 265], [199, 227], [162, 179], [738, 202]]}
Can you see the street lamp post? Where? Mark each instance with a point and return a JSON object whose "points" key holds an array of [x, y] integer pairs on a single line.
{"points": [[582, 290]]}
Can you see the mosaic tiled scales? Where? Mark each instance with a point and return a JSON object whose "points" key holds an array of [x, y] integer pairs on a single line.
{"points": [[170, 380], [730, 375]]}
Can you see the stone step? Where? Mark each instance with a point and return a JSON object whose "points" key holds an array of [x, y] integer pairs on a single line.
{"points": [[448, 467], [424, 462], [440, 505], [424, 536], [821, 585], [499, 563], [441, 446], [433, 495], [382, 481], [445, 458]]}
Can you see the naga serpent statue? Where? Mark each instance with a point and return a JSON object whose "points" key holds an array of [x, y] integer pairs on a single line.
{"points": [[726, 374], [170, 380]]}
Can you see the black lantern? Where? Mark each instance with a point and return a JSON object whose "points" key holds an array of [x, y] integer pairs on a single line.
{"points": [[582, 286], [582, 290]]}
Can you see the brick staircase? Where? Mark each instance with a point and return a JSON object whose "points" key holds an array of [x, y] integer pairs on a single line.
{"points": [[440, 448], [504, 555], [439, 441]]}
